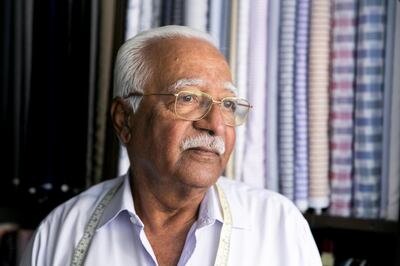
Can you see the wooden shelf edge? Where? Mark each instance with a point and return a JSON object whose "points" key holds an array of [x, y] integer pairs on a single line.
{"points": [[325, 221]]}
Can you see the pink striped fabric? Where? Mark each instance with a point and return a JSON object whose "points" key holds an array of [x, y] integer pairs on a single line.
{"points": [[342, 107]]}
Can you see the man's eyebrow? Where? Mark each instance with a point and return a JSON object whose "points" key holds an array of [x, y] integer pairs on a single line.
{"points": [[229, 86], [183, 83]]}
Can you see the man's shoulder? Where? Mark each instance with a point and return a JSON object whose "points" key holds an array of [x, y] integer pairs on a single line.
{"points": [[257, 199]]}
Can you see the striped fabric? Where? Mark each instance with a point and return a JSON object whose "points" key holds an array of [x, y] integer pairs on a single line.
{"points": [[300, 107], [241, 77], [286, 97], [319, 104], [271, 114], [254, 157], [368, 108], [342, 107], [177, 12]]}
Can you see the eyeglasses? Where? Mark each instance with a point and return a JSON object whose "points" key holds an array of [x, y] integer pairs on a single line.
{"points": [[195, 105]]}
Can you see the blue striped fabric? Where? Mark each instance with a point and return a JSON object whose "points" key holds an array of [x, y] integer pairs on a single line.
{"points": [[368, 108], [271, 117], [286, 97], [300, 106]]}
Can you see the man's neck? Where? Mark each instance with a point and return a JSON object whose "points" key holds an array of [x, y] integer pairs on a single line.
{"points": [[161, 207], [168, 213]]}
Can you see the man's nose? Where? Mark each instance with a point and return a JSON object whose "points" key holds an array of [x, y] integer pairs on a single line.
{"points": [[213, 122]]}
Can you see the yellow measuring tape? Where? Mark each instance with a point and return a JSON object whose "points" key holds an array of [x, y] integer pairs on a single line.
{"points": [[81, 250]]}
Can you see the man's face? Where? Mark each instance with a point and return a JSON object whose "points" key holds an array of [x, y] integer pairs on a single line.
{"points": [[157, 133]]}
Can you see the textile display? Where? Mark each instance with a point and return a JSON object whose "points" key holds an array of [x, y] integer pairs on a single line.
{"points": [[368, 108], [300, 106], [318, 103], [342, 107]]}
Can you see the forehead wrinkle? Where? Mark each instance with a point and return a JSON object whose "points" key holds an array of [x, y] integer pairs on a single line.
{"points": [[183, 83]]}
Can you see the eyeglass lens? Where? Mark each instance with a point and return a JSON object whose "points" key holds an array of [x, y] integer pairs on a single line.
{"points": [[194, 105]]}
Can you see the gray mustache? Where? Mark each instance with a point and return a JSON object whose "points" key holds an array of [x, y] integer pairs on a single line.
{"points": [[216, 144]]}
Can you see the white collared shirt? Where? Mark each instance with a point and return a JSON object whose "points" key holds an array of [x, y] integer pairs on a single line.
{"points": [[267, 230]]}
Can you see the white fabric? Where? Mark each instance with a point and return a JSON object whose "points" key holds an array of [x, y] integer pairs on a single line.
{"points": [[196, 14], [394, 167], [241, 78], [267, 229], [215, 20], [132, 19], [254, 157], [146, 15]]}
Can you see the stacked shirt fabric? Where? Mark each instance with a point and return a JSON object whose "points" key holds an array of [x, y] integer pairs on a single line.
{"points": [[321, 76]]}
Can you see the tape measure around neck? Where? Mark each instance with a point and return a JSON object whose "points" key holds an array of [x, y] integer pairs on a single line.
{"points": [[226, 230], [81, 250], [83, 246]]}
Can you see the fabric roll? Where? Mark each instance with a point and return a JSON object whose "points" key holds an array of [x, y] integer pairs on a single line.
{"points": [[300, 106], [318, 111], [286, 97], [215, 21], [387, 105], [178, 12], [230, 167], [156, 13], [146, 14], [104, 69], [271, 114], [166, 11], [394, 154], [224, 37], [368, 108], [196, 14], [94, 39], [132, 18], [254, 157], [241, 78], [342, 107]]}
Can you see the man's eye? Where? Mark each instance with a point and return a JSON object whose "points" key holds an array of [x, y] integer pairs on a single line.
{"points": [[188, 98], [230, 105]]}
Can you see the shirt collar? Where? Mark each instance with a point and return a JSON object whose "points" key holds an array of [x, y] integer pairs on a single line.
{"points": [[122, 201], [210, 208]]}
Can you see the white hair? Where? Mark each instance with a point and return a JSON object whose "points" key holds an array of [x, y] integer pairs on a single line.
{"points": [[132, 69]]}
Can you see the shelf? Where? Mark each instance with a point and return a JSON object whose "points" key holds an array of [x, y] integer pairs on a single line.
{"points": [[325, 221]]}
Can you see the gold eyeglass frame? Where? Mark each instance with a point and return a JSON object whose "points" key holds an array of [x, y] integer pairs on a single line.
{"points": [[249, 106]]}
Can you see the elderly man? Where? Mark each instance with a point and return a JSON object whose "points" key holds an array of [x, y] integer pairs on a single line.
{"points": [[176, 113]]}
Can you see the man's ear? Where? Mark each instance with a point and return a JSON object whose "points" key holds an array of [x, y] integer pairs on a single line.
{"points": [[120, 115]]}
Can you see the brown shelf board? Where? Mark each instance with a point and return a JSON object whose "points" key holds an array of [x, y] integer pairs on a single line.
{"points": [[325, 221]]}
